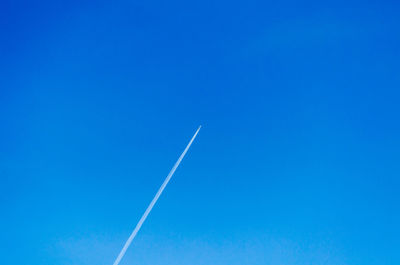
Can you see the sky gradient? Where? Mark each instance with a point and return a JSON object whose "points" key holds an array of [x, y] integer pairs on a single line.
{"points": [[297, 161]]}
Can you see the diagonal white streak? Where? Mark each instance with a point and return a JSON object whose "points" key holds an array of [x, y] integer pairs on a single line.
{"points": [[146, 213]]}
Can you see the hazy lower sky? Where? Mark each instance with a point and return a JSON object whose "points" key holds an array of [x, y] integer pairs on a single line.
{"points": [[297, 162]]}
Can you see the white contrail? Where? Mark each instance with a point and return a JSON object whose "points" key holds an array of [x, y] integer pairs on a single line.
{"points": [[146, 213]]}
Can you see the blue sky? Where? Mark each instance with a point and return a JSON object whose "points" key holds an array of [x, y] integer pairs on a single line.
{"points": [[297, 161]]}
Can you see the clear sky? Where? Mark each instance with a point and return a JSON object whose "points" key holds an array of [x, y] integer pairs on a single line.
{"points": [[297, 161]]}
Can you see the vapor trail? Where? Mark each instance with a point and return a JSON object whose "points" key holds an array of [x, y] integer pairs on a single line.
{"points": [[146, 213]]}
